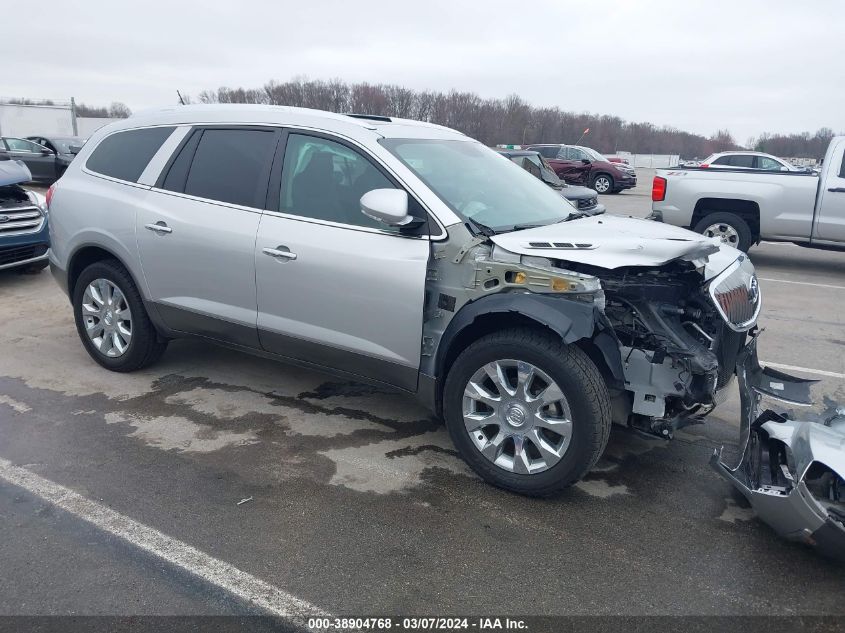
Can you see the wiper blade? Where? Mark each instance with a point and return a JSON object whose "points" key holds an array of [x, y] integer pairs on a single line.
{"points": [[520, 227], [478, 228], [577, 215]]}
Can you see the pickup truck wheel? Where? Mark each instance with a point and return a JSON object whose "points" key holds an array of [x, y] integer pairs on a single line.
{"points": [[111, 319], [603, 183], [729, 227], [527, 412]]}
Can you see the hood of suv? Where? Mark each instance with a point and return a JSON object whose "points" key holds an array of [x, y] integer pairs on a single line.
{"points": [[612, 241], [13, 172]]}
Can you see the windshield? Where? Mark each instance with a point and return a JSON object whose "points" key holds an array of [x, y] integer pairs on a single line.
{"points": [[479, 184]]}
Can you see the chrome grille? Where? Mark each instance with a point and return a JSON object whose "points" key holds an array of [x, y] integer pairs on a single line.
{"points": [[26, 219], [736, 294], [736, 304]]}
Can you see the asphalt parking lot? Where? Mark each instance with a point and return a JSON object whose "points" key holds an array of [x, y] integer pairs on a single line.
{"points": [[355, 499]]}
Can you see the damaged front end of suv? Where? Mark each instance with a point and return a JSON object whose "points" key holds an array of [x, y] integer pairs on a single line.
{"points": [[792, 471], [662, 312]]}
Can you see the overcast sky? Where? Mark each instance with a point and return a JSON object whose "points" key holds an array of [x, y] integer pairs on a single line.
{"points": [[748, 65]]}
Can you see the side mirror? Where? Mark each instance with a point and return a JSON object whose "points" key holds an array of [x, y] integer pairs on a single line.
{"points": [[389, 206], [47, 152], [784, 168], [586, 161], [75, 149]]}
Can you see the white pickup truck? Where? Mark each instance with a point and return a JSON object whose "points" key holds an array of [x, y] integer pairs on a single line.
{"points": [[742, 207]]}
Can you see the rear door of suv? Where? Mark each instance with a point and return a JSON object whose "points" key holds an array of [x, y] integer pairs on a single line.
{"points": [[196, 231], [336, 288]]}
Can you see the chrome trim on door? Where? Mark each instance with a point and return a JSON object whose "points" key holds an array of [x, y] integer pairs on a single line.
{"points": [[272, 252], [159, 227]]}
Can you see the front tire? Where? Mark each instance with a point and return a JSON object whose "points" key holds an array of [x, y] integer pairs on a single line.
{"points": [[729, 227], [603, 183], [526, 412], [111, 319]]}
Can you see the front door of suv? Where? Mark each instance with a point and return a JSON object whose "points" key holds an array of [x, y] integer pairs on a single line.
{"points": [[335, 288], [196, 232]]}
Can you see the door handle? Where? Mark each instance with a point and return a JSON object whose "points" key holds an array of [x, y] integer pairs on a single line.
{"points": [[159, 227], [279, 253], [837, 189]]}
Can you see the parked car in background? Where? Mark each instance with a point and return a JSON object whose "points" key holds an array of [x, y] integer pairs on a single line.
{"points": [[743, 206], [45, 163], [583, 198], [24, 237], [579, 165], [747, 160], [408, 255], [64, 147]]}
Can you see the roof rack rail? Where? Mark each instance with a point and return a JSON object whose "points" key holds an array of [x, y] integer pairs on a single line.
{"points": [[370, 117]]}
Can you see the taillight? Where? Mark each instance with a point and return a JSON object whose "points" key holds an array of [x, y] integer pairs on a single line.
{"points": [[658, 189], [49, 195], [704, 165]]}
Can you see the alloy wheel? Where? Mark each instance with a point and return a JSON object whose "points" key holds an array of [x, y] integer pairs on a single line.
{"points": [[517, 416], [107, 318], [724, 232], [602, 184]]}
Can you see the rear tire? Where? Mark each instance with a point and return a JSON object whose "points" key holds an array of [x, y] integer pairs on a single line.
{"points": [[729, 227], [111, 320], [551, 460]]}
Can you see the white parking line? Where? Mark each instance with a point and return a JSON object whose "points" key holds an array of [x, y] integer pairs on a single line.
{"points": [[802, 283], [270, 598], [806, 370]]}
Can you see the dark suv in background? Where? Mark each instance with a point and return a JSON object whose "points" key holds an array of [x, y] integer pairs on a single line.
{"points": [[578, 165], [583, 198]]}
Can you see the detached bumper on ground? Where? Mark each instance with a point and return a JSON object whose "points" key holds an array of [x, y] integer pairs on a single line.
{"points": [[791, 471]]}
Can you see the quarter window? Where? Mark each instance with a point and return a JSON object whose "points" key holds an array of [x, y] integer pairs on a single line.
{"points": [[325, 180], [229, 165], [125, 155]]}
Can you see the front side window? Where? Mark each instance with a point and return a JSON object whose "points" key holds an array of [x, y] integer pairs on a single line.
{"points": [[764, 162], [229, 165], [476, 183], [125, 155], [324, 180], [20, 145]]}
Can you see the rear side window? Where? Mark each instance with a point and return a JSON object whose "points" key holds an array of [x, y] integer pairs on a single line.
{"points": [[125, 155], [229, 165]]}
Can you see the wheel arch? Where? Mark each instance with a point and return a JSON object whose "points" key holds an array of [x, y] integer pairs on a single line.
{"points": [[89, 254], [575, 322], [748, 210]]}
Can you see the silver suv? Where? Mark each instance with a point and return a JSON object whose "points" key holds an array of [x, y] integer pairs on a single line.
{"points": [[405, 254]]}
